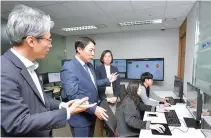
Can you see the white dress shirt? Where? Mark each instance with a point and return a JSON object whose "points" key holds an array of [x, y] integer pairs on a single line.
{"points": [[108, 71], [31, 67]]}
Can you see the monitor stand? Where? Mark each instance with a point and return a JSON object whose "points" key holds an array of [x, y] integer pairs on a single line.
{"points": [[179, 101], [192, 123]]}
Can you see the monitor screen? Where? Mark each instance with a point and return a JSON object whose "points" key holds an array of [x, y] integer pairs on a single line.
{"points": [[64, 60], [122, 75], [178, 87], [207, 101], [44, 78], [135, 67], [194, 101], [92, 62], [97, 62], [54, 77], [119, 63]]}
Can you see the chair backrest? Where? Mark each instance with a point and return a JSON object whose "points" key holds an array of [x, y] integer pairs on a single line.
{"points": [[122, 92], [112, 121]]}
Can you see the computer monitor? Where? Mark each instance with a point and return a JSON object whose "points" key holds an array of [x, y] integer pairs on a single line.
{"points": [[54, 77], [136, 67], [122, 75], [119, 63], [97, 62], [64, 60], [194, 106], [43, 78], [178, 87]]}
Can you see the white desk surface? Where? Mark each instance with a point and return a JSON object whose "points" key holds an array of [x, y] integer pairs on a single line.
{"points": [[181, 112]]}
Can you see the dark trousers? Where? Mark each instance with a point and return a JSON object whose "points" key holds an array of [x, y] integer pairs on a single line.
{"points": [[83, 131]]}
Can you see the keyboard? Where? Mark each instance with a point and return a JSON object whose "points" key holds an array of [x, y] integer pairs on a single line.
{"points": [[172, 118], [171, 101]]}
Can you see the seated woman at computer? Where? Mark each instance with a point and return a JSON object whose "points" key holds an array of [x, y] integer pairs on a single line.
{"points": [[208, 113], [129, 119], [146, 95], [204, 113]]}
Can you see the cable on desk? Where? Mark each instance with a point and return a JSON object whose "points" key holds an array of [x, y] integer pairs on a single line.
{"points": [[180, 129]]}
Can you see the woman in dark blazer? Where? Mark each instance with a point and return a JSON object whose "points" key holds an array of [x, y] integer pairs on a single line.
{"points": [[102, 72], [129, 119]]}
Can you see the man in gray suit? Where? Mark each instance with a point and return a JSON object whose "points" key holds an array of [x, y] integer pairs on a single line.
{"points": [[25, 110]]}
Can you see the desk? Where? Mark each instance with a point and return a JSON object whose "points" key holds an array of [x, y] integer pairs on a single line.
{"points": [[181, 112], [55, 89], [54, 92]]}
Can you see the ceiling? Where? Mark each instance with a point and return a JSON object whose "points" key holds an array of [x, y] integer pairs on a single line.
{"points": [[108, 13]]}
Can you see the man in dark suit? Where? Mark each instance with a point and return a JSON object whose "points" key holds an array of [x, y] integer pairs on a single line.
{"points": [[79, 80], [25, 110]]}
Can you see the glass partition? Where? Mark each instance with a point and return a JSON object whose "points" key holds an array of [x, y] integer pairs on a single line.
{"points": [[202, 70]]}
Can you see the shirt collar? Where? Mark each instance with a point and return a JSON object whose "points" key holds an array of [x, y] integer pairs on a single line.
{"points": [[107, 66], [82, 63], [28, 64]]}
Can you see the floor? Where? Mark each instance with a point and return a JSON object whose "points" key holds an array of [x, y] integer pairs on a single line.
{"points": [[66, 131]]}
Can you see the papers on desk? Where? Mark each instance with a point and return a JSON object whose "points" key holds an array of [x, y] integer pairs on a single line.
{"points": [[159, 119], [54, 88]]}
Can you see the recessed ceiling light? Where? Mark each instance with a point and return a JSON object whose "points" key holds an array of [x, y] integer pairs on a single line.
{"points": [[79, 28], [141, 22]]}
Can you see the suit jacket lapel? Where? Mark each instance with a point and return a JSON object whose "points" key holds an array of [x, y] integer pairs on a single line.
{"points": [[78, 64], [31, 83], [81, 68], [44, 95], [94, 75], [104, 71], [24, 73]]}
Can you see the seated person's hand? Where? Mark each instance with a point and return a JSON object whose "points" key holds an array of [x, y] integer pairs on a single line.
{"points": [[166, 109], [206, 114], [101, 113], [164, 100], [159, 128], [193, 103], [167, 104], [112, 100]]}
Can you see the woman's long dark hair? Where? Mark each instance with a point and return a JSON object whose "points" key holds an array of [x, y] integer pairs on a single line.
{"points": [[132, 90]]}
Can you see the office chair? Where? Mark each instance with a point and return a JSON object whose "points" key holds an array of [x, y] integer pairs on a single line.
{"points": [[57, 96], [110, 125]]}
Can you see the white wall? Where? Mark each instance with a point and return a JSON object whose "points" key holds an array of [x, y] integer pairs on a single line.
{"points": [[140, 44], [190, 47]]}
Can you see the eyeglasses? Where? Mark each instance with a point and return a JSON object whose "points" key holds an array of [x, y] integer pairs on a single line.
{"points": [[50, 40]]}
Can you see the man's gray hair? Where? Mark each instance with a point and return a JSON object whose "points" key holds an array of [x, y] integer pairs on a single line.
{"points": [[25, 21]]}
